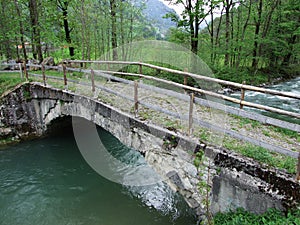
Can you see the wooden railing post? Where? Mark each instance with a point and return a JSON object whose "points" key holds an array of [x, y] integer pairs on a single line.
{"points": [[185, 79], [298, 169], [190, 129], [65, 76], [136, 101], [44, 75], [93, 80], [141, 68], [25, 70], [242, 95]]}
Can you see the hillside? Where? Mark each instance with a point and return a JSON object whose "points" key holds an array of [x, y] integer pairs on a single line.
{"points": [[155, 11]]}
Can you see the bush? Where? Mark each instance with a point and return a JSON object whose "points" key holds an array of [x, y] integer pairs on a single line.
{"points": [[272, 217]]}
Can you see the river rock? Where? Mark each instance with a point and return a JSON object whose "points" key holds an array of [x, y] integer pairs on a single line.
{"points": [[5, 132], [225, 91], [49, 61], [33, 61], [7, 65]]}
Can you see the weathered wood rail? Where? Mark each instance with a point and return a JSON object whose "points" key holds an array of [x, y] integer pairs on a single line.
{"points": [[191, 98]]}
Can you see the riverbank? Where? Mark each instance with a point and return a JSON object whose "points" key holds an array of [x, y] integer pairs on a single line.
{"points": [[261, 77]]}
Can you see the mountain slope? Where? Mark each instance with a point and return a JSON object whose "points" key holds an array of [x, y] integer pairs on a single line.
{"points": [[154, 12]]}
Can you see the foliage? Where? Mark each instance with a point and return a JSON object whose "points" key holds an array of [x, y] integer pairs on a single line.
{"points": [[252, 41], [262, 155], [287, 132], [85, 26], [8, 81], [272, 217], [198, 158]]}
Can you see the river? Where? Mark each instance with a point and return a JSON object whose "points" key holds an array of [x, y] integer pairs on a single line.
{"points": [[46, 181], [293, 105]]}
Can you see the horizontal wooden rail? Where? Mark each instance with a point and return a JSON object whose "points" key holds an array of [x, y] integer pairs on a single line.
{"points": [[200, 77], [205, 92], [209, 93], [231, 110], [210, 104], [9, 71]]}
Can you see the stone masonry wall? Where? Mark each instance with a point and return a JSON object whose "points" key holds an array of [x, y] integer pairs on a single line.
{"points": [[233, 181]]}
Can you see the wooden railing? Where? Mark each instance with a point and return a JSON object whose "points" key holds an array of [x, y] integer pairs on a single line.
{"points": [[191, 98]]}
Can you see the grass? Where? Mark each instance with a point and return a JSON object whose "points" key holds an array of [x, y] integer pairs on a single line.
{"points": [[261, 155], [60, 74], [244, 121], [287, 132], [271, 217], [8, 81], [255, 124], [7, 141], [257, 153]]}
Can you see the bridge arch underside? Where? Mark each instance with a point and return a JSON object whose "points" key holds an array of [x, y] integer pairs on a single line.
{"points": [[235, 180], [167, 156]]}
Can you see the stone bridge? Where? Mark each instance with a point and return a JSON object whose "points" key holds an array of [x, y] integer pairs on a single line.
{"points": [[231, 180]]}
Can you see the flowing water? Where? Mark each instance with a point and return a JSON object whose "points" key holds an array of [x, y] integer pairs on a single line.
{"points": [[47, 181], [288, 104]]}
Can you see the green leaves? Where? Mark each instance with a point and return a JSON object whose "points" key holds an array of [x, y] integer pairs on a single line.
{"points": [[198, 159], [272, 217]]}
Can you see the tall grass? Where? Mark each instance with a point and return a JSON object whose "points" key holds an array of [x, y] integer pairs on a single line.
{"points": [[8, 81]]}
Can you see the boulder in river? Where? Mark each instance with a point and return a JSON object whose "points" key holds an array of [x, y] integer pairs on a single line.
{"points": [[225, 91], [49, 61], [33, 61]]}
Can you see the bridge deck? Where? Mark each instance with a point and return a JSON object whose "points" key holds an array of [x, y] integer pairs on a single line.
{"points": [[210, 125], [173, 109]]}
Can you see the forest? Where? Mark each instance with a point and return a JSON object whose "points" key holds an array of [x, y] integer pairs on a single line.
{"points": [[252, 40]]}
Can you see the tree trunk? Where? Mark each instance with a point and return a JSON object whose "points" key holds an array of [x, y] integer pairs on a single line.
{"points": [[257, 30], [287, 58], [63, 5], [122, 33], [83, 30], [21, 30], [217, 40], [243, 34], [232, 53], [212, 35], [267, 25], [36, 37], [194, 25], [228, 4], [114, 42]]}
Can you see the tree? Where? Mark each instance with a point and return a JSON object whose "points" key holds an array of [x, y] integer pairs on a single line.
{"points": [[36, 36], [21, 29], [193, 15], [114, 43], [9, 32], [63, 6], [228, 5], [248, 6]]}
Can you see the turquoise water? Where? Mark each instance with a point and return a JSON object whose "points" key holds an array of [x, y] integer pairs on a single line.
{"points": [[288, 104], [47, 181]]}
